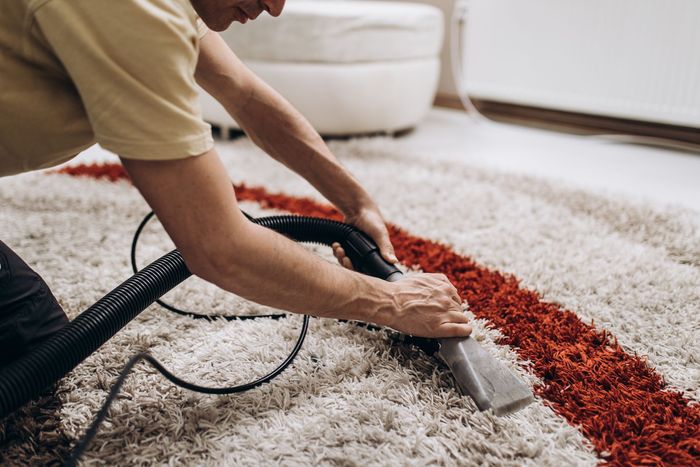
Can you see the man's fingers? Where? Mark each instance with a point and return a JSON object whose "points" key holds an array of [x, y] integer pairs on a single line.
{"points": [[457, 317], [387, 251], [455, 330], [347, 263], [339, 254], [455, 296], [452, 290]]}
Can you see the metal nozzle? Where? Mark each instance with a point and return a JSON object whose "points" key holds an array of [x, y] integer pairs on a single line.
{"points": [[488, 381]]}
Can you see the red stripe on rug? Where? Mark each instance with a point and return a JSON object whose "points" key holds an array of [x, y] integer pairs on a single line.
{"points": [[111, 172], [616, 399]]}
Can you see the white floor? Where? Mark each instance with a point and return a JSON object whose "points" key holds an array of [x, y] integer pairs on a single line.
{"points": [[639, 172], [662, 176]]}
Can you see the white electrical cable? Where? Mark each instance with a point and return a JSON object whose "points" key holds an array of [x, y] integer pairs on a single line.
{"points": [[457, 50]]}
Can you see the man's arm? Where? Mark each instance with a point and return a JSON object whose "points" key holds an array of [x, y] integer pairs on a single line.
{"points": [[136, 86], [194, 201], [280, 130]]}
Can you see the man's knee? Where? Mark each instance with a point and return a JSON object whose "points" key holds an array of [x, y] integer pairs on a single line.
{"points": [[29, 313]]}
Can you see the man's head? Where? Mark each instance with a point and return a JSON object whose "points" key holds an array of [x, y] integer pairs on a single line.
{"points": [[219, 14]]}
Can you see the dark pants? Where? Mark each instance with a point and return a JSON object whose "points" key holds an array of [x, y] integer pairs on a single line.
{"points": [[29, 313]]}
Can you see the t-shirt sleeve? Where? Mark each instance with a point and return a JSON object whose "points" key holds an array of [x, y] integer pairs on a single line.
{"points": [[133, 64], [202, 28]]}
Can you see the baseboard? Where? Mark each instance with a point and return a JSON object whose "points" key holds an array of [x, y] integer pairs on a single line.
{"points": [[448, 101], [674, 136]]}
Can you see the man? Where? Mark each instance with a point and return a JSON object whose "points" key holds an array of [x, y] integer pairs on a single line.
{"points": [[122, 74]]}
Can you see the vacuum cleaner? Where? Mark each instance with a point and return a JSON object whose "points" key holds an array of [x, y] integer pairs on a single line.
{"points": [[476, 372]]}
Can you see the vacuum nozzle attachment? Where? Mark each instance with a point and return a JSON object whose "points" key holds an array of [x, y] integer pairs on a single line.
{"points": [[478, 374], [488, 381]]}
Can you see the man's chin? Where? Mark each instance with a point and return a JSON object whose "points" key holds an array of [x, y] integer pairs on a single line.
{"points": [[218, 24]]}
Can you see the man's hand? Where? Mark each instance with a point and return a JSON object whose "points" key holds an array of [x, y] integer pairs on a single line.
{"points": [[371, 222], [425, 305], [428, 305]]}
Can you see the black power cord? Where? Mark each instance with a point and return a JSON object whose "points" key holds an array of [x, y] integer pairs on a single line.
{"points": [[114, 391], [179, 311]]}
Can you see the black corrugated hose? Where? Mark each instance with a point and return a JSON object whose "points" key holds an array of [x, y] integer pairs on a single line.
{"points": [[29, 376]]}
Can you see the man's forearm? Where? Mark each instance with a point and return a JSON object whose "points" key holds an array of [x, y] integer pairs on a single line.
{"points": [[274, 125], [279, 129], [220, 245], [268, 268]]}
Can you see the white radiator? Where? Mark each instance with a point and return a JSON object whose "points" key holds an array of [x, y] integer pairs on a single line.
{"points": [[635, 59]]}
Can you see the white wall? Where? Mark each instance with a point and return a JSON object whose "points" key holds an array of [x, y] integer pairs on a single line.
{"points": [[637, 59]]}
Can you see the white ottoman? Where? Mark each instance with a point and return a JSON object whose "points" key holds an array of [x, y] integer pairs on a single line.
{"points": [[349, 67]]}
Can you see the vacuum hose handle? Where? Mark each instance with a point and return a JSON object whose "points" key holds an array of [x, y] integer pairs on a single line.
{"points": [[367, 259]]}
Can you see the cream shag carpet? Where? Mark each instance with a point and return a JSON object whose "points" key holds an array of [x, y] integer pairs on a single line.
{"points": [[351, 397]]}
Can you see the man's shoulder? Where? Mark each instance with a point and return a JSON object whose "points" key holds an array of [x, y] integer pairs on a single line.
{"points": [[165, 9]]}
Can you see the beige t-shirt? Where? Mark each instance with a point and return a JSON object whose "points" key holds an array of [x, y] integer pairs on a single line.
{"points": [[116, 72]]}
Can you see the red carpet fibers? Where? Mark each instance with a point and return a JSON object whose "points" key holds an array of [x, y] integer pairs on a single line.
{"points": [[616, 399]]}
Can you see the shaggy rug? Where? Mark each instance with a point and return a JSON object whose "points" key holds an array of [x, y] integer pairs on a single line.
{"points": [[594, 301]]}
